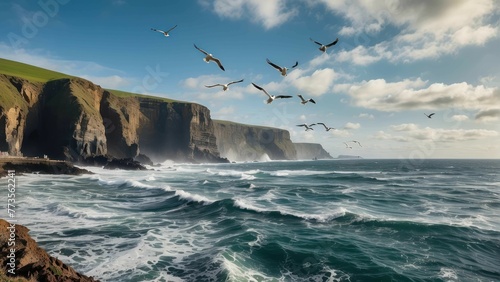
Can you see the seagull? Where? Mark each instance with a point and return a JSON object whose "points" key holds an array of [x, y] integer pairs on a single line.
{"points": [[271, 97], [357, 142], [308, 127], [224, 86], [280, 69], [324, 47], [305, 101], [347, 145], [164, 32], [429, 116], [326, 127], [209, 57]]}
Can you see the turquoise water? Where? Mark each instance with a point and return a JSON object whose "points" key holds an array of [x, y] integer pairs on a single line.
{"points": [[336, 220]]}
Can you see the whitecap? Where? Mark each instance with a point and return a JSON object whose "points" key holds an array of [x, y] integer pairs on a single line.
{"points": [[193, 197]]}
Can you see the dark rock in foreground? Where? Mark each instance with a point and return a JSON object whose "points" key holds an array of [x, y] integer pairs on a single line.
{"points": [[32, 263], [34, 165], [108, 162]]}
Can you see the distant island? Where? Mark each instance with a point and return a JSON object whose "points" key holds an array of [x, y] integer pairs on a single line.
{"points": [[43, 112]]}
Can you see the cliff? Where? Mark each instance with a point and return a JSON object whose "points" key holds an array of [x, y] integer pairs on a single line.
{"points": [[307, 151], [32, 263], [73, 119], [241, 142]]}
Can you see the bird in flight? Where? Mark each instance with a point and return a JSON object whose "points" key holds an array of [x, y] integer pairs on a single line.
{"points": [[429, 116], [347, 146], [224, 86], [282, 70], [357, 142], [326, 127], [271, 97], [304, 101], [323, 47], [308, 127], [210, 57], [166, 33]]}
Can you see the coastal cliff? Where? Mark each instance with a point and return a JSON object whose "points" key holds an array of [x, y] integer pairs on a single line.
{"points": [[74, 119], [307, 151], [242, 142]]}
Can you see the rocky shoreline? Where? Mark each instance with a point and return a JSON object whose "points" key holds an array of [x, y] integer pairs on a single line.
{"points": [[30, 262], [36, 165]]}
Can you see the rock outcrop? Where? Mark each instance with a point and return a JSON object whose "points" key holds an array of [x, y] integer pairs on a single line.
{"points": [[74, 119], [308, 151], [32, 263], [241, 142]]}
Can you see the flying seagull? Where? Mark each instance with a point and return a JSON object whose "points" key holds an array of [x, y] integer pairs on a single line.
{"points": [[308, 127], [347, 145], [326, 127], [280, 69], [224, 86], [304, 101], [271, 97], [209, 57], [357, 142], [324, 47], [164, 32], [429, 116]]}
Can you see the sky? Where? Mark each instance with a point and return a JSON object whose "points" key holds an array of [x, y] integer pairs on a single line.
{"points": [[395, 61]]}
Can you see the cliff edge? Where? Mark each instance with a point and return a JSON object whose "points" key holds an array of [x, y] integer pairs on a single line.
{"points": [[26, 261], [308, 151]]}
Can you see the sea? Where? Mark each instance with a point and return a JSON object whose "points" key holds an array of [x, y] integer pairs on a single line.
{"points": [[324, 220]]}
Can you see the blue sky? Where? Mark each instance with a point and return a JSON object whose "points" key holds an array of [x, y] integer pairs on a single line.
{"points": [[395, 60]]}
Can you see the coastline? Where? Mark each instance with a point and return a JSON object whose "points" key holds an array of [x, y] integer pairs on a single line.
{"points": [[38, 165]]}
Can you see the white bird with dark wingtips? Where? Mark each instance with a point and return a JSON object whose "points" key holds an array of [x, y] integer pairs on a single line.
{"points": [[166, 33], [271, 97], [357, 142], [304, 101], [430, 115], [308, 127], [282, 70], [347, 146], [210, 57], [323, 47], [224, 86], [326, 127]]}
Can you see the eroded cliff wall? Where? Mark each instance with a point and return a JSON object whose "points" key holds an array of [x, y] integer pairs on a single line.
{"points": [[241, 142], [308, 151], [72, 118]]}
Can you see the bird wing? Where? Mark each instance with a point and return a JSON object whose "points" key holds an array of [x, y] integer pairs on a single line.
{"points": [[171, 29], [154, 29], [233, 82], [323, 125], [274, 65], [210, 86], [312, 101], [296, 64], [320, 44], [432, 114], [302, 125], [301, 98], [283, 96], [333, 43], [262, 89], [218, 63], [201, 50]]}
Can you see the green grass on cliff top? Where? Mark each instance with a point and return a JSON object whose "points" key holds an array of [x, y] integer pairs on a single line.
{"points": [[37, 74], [226, 122], [29, 72]]}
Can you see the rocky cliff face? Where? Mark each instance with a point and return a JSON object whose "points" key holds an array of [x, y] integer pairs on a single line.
{"points": [[241, 142], [32, 263], [73, 119], [308, 151]]}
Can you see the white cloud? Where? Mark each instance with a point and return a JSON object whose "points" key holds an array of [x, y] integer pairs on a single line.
{"points": [[365, 115], [269, 13], [316, 84], [428, 29], [351, 125], [460, 117], [414, 95], [488, 115], [414, 132], [342, 133], [112, 82]]}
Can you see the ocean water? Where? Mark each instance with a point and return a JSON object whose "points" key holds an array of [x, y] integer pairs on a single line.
{"points": [[332, 220]]}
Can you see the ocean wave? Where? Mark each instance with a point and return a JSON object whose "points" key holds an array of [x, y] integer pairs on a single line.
{"points": [[193, 197], [80, 212], [124, 182]]}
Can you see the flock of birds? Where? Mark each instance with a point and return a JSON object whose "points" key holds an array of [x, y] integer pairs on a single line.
{"points": [[282, 70]]}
